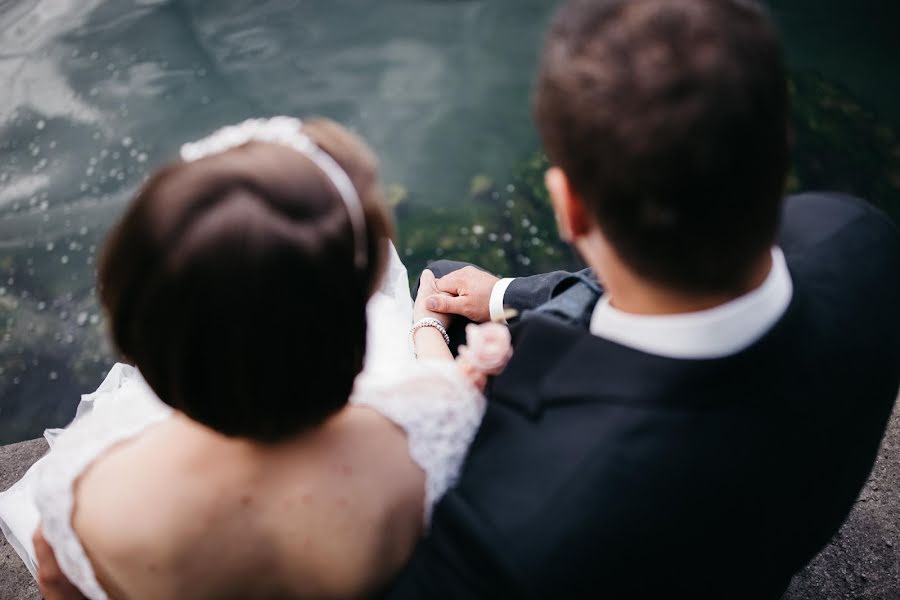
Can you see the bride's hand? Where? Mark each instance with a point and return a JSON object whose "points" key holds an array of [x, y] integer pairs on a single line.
{"points": [[51, 579], [427, 289], [487, 351]]}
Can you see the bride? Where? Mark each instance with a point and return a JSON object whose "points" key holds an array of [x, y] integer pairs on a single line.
{"points": [[278, 438]]}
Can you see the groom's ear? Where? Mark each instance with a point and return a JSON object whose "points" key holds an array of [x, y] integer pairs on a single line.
{"points": [[572, 218]]}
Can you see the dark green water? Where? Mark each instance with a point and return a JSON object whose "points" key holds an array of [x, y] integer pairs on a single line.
{"points": [[98, 92]]}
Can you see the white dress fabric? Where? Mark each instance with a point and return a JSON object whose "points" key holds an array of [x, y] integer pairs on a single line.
{"points": [[430, 400]]}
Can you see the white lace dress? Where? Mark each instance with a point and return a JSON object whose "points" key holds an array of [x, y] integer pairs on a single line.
{"points": [[439, 429]]}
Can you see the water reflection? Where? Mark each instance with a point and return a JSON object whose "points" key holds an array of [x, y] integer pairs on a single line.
{"points": [[99, 92]]}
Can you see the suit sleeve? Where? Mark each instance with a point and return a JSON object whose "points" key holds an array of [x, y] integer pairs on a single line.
{"points": [[524, 293], [527, 293]]}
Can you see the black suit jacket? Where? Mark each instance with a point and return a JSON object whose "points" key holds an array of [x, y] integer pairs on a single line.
{"points": [[603, 471]]}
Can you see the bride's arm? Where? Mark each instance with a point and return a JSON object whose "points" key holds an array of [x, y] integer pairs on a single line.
{"points": [[429, 342], [488, 346], [51, 580]]}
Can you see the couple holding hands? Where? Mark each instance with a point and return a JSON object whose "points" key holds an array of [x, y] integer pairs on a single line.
{"points": [[692, 416]]}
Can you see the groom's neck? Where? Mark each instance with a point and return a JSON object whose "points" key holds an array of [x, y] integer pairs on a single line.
{"points": [[630, 293]]}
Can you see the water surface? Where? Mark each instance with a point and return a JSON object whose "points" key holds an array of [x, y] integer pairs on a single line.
{"points": [[99, 92]]}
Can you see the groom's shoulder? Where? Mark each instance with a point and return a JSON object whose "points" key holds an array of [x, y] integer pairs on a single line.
{"points": [[844, 246], [815, 223]]}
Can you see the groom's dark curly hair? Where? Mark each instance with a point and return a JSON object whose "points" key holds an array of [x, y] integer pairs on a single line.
{"points": [[670, 119], [230, 283]]}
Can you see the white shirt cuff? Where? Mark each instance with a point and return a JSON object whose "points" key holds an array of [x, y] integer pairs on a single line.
{"points": [[496, 304]]}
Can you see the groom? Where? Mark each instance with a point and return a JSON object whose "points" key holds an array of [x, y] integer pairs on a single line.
{"points": [[698, 425]]}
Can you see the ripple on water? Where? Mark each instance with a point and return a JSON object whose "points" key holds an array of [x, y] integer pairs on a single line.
{"points": [[98, 92]]}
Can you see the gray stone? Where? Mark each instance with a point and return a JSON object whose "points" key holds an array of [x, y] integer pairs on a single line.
{"points": [[15, 580], [863, 559], [861, 562]]}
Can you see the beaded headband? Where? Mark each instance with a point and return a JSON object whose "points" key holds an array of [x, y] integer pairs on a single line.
{"points": [[287, 131]]}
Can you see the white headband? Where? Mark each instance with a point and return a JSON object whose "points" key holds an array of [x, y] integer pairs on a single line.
{"points": [[287, 132]]}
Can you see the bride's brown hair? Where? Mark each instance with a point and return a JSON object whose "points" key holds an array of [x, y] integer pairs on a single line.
{"points": [[230, 283]]}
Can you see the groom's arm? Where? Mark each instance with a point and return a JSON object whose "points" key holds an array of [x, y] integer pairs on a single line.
{"points": [[527, 293], [481, 296]]}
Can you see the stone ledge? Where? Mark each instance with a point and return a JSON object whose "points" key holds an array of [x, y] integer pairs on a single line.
{"points": [[863, 559], [861, 562], [15, 580]]}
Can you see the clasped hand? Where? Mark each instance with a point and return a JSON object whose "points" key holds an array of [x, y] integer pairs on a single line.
{"points": [[466, 292]]}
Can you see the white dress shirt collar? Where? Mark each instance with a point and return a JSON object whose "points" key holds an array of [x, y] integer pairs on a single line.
{"points": [[720, 331]]}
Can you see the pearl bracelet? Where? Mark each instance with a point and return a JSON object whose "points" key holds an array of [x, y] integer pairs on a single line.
{"points": [[428, 322]]}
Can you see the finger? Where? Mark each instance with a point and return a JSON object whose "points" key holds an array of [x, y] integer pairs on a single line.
{"points": [[449, 305], [427, 281], [451, 283], [425, 285]]}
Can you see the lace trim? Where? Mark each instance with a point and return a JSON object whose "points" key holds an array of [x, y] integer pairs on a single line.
{"points": [[76, 449], [439, 411]]}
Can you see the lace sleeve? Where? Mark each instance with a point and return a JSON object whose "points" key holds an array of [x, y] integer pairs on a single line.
{"points": [[439, 411], [122, 408]]}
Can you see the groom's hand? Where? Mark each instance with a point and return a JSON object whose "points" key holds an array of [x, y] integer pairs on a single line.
{"points": [[470, 294], [51, 580]]}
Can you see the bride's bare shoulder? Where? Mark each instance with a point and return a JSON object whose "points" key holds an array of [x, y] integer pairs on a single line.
{"points": [[359, 503], [133, 474], [362, 447], [156, 511], [153, 503]]}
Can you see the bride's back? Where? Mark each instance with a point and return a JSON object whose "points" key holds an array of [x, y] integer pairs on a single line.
{"points": [[235, 284], [182, 512]]}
